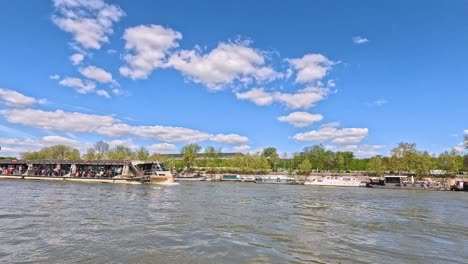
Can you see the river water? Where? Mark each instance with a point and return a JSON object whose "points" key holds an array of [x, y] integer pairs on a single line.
{"points": [[63, 222]]}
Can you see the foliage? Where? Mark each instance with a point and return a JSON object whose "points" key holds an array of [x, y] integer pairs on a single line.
{"points": [[7, 158], [376, 166], [142, 154], [450, 162], [120, 152], [305, 167], [99, 151], [60, 152], [423, 164], [272, 155], [212, 157], [189, 154]]}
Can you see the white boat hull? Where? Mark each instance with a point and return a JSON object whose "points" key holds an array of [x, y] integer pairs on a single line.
{"points": [[353, 184], [334, 181]]}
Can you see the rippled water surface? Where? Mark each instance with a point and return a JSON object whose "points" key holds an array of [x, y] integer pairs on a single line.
{"points": [[63, 222]]}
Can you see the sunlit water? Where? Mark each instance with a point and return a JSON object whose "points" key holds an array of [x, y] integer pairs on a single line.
{"points": [[63, 222]]}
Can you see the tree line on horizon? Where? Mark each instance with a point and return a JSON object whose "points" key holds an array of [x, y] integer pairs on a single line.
{"points": [[404, 159]]}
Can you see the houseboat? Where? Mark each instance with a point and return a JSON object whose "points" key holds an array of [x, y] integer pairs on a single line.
{"points": [[230, 177], [401, 182], [333, 181], [98, 171], [275, 179]]}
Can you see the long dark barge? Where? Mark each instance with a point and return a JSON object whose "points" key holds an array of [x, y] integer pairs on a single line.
{"points": [[402, 183], [93, 171]]}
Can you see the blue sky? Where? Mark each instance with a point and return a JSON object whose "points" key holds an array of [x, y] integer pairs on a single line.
{"points": [[352, 75]]}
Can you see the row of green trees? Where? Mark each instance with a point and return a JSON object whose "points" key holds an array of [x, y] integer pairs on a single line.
{"points": [[405, 158]]}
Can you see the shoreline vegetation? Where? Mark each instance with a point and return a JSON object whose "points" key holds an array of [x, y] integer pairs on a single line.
{"points": [[404, 159]]}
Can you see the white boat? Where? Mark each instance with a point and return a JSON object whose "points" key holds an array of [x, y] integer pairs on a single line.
{"points": [[342, 181], [275, 179]]}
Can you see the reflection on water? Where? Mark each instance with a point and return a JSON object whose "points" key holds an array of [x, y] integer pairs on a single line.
{"points": [[55, 222]]}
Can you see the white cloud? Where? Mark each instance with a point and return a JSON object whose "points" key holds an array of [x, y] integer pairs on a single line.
{"points": [[311, 67], [332, 124], [16, 99], [223, 65], [242, 148], [103, 93], [13, 147], [97, 74], [303, 99], [90, 22], [111, 51], [171, 134], [8, 130], [123, 142], [359, 40], [231, 139], [162, 148], [466, 132], [360, 151], [379, 102], [78, 84], [54, 77], [301, 119], [147, 47], [58, 140], [76, 58], [58, 120], [117, 91], [110, 127], [345, 136], [257, 96]]}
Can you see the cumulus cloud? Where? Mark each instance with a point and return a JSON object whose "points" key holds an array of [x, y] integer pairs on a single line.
{"points": [[360, 151], [97, 74], [303, 99], [76, 58], [58, 120], [300, 119], [147, 48], [89, 22], [111, 127], [311, 67], [54, 77], [162, 148], [242, 148], [82, 87], [170, 134], [59, 140], [103, 93], [230, 139], [359, 40], [223, 65], [466, 132], [15, 99], [345, 136], [13, 147], [123, 142]]}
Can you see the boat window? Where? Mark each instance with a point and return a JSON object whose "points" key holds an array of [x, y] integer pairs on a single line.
{"points": [[392, 179]]}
